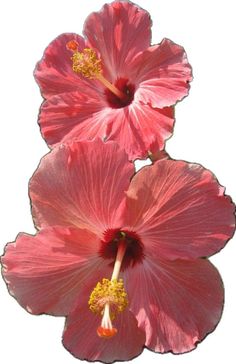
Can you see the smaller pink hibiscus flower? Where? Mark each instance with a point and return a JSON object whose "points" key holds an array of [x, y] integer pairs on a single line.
{"points": [[112, 84], [122, 257]]}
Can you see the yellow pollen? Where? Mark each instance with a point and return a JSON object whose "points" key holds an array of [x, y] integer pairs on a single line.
{"points": [[86, 63], [109, 292]]}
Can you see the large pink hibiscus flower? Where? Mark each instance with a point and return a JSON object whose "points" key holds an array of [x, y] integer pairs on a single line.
{"points": [[112, 84], [121, 254]]}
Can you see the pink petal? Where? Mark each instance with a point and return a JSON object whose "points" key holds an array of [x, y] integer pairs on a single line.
{"points": [[74, 115], [81, 339], [177, 303], [54, 72], [179, 210], [140, 129], [85, 116], [118, 32], [46, 272], [82, 185], [163, 74]]}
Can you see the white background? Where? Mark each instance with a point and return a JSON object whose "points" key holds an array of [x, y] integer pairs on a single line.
{"points": [[204, 133]]}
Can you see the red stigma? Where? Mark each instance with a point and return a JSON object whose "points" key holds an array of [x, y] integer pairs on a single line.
{"points": [[106, 333], [72, 45]]}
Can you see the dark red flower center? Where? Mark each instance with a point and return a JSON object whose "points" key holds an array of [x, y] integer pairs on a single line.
{"points": [[126, 88], [134, 247]]}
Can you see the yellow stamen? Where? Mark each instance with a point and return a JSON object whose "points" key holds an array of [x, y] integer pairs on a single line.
{"points": [[86, 63], [108, 292], [89, 65], [109, 297]]}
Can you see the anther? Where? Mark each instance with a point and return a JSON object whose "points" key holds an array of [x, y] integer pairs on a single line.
{"points": [[86, 63], [110, 292]]}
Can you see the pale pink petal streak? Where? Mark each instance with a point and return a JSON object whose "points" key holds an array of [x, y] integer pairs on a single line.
{"points": [[177, 303], [162, 73], [81, 184], [147, 129], [119, 31], [46, 272], [179, 210]]}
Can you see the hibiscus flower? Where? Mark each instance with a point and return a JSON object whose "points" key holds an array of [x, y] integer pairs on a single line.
{"points": [[112, 84], [120, 254]]}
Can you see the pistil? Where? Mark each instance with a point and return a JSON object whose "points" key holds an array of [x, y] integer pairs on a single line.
{"points": [[89, 65], [109, 297], [111, 87]]}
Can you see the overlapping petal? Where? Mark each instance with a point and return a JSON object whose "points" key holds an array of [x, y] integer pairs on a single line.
{"points": [[46, 272], [81, 339], [179, 210], [84, 116], [81, 185], [118, 32], [177, 303], [163, 74]]}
